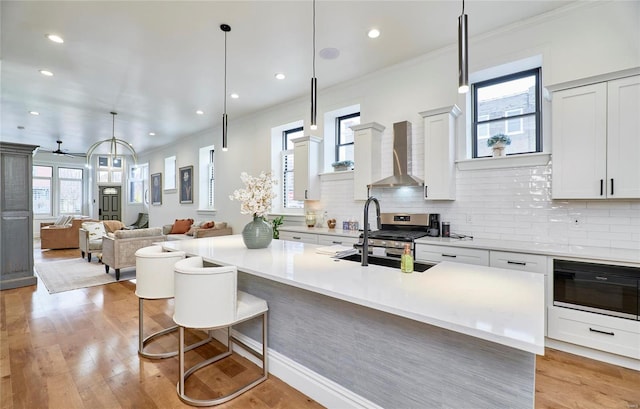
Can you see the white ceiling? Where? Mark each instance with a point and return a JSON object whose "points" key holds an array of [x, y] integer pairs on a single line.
{"points": [[156, 63]]}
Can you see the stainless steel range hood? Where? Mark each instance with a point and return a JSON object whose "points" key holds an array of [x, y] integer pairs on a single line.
{"points": [[401, 159]]}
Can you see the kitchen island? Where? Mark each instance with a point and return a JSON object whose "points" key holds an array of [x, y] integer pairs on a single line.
{"points": [[454, 336]]}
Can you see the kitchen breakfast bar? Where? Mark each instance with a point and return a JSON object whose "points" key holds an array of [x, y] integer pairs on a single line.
{"points": [[457, 335]]}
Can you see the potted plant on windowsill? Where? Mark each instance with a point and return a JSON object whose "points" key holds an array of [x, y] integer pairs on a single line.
{"points": [[342, 165], [497, 143]]}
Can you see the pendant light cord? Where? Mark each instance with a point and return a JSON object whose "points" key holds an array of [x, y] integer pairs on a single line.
{"points": [[314, 38], [462, 7], [225, 72]]}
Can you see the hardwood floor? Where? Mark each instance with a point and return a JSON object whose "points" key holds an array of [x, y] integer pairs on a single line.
{"points": [[78, 349]]}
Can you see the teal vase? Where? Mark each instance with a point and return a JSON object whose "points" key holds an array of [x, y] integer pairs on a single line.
{"points": [[257, 234]]}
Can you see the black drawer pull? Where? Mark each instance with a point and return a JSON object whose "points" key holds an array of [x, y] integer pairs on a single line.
{"points": [[449, 255], [611, 186], [601, 332], [601, 187], [520, 263], [336, 242], [296, 237]]}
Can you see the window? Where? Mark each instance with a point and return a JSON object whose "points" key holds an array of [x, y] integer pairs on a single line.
{"points": [[207, 178], [109, 169], [509, 105], [42, 176], [287, 168], [170, 173], [70, 188], [137, 177], [344, 136]]}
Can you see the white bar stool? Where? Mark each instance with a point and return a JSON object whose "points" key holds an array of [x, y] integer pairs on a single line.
{"points": [[207, 298], [154, 281]]}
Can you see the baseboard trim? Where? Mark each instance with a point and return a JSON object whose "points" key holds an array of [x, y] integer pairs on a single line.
{"points": [[317, 387], [607, 357]]}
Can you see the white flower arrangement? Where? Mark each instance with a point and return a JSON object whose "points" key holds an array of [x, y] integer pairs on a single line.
{"points": [[257, 195]]}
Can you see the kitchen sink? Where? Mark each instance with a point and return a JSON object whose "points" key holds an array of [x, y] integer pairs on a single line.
{"points": [[387, 262]]}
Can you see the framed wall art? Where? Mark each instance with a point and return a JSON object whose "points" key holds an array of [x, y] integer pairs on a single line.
{"points": [[186, 184], [156, 189]]}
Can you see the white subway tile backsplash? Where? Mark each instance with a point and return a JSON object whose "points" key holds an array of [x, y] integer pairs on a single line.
{"points": [[503, 204]]}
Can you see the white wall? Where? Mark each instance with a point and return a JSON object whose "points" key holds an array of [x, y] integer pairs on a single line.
{"points": [[582, 40]]}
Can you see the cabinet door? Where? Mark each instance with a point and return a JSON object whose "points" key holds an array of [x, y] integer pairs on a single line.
{"points": [[439, 153], [301, 237], [327, 240], [306, 168], [436, 254], [579, 126], [623, 138]]}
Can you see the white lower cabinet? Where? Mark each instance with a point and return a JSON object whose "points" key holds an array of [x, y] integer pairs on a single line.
{"points": [[329, 240], [436, 254], [309, 238], [533, 263], [616, 335]]}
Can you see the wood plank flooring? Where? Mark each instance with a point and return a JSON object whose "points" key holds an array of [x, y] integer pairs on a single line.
{"points": [[78, 349]]}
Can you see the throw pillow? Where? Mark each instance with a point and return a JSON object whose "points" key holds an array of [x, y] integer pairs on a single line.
{"points": [[208, 225], [181, 226], [112, 225]]}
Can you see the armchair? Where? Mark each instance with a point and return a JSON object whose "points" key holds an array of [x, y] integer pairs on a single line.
{"points": [[141, 223], [90, 238]]}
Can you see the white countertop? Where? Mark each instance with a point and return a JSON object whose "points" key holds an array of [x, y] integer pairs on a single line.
{"points": [[321, 230], [502, 306], [603, 254]]}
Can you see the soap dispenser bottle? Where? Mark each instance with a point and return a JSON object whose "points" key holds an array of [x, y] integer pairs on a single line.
{"points": [[406, 261]]}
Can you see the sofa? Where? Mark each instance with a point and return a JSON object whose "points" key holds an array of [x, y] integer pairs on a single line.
{"points": [[119, 248], [63, 235], [91, 233], [195, 229]]}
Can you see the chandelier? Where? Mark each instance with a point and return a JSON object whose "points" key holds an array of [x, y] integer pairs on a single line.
{"points": [[113, 144]]}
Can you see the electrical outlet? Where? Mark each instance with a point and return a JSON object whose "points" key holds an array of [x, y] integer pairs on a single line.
{"points": [[469, 219]]}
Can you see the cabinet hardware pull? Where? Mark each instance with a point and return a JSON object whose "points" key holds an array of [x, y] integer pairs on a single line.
{"points": [[601, 278], [601, 332], [425, 192], [601, 187], [449, 255], [520, 263], [611, 186], [336, 242], [296, 237], [305, 193]]}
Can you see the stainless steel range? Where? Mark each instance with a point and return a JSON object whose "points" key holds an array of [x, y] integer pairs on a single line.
{"points": [[398, 229]]}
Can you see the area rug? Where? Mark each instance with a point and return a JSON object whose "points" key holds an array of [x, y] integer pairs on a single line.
{"points": [[65, 275]]}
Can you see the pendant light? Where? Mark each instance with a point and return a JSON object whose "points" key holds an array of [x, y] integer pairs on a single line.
{"points": [[463, 53], [225, 28], [314, 80], [113, 143]]}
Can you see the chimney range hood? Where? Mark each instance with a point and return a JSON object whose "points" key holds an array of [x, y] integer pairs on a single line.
{"points": [[401, 159]]}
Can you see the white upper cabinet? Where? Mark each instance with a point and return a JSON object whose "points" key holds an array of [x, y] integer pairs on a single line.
{"points": [[596, 141], [306, 168], [439, 153], [366, 157]]}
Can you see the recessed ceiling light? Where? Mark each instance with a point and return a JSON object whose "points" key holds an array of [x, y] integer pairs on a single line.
{"points": [[34, 112], [280, 76], [152, 134], [374, 33], [200, 112], [55, 38], [234, 95], [46, 73]]}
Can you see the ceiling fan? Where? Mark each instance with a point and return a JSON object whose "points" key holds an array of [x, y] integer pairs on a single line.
{"points": [[59, 151]]}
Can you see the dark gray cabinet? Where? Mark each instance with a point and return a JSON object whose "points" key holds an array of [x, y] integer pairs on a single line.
{"points": [[16, 214]]}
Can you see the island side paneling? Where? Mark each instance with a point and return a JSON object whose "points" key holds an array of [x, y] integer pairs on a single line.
{"points": [[390, 360]]}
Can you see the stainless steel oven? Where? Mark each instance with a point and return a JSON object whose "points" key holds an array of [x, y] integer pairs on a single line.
{"points": [[599, 288]]}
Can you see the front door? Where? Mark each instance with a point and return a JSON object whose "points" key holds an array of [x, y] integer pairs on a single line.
{"points": [[109, 203]]}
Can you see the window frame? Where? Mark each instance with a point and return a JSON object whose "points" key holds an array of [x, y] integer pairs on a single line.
{"points": [[60, 180], [51, 189], [284, 155], [339, 143], [143, 168], [537, 114]]}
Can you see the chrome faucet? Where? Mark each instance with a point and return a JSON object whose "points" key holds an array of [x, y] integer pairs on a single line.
{"points": [[365, 234]]}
